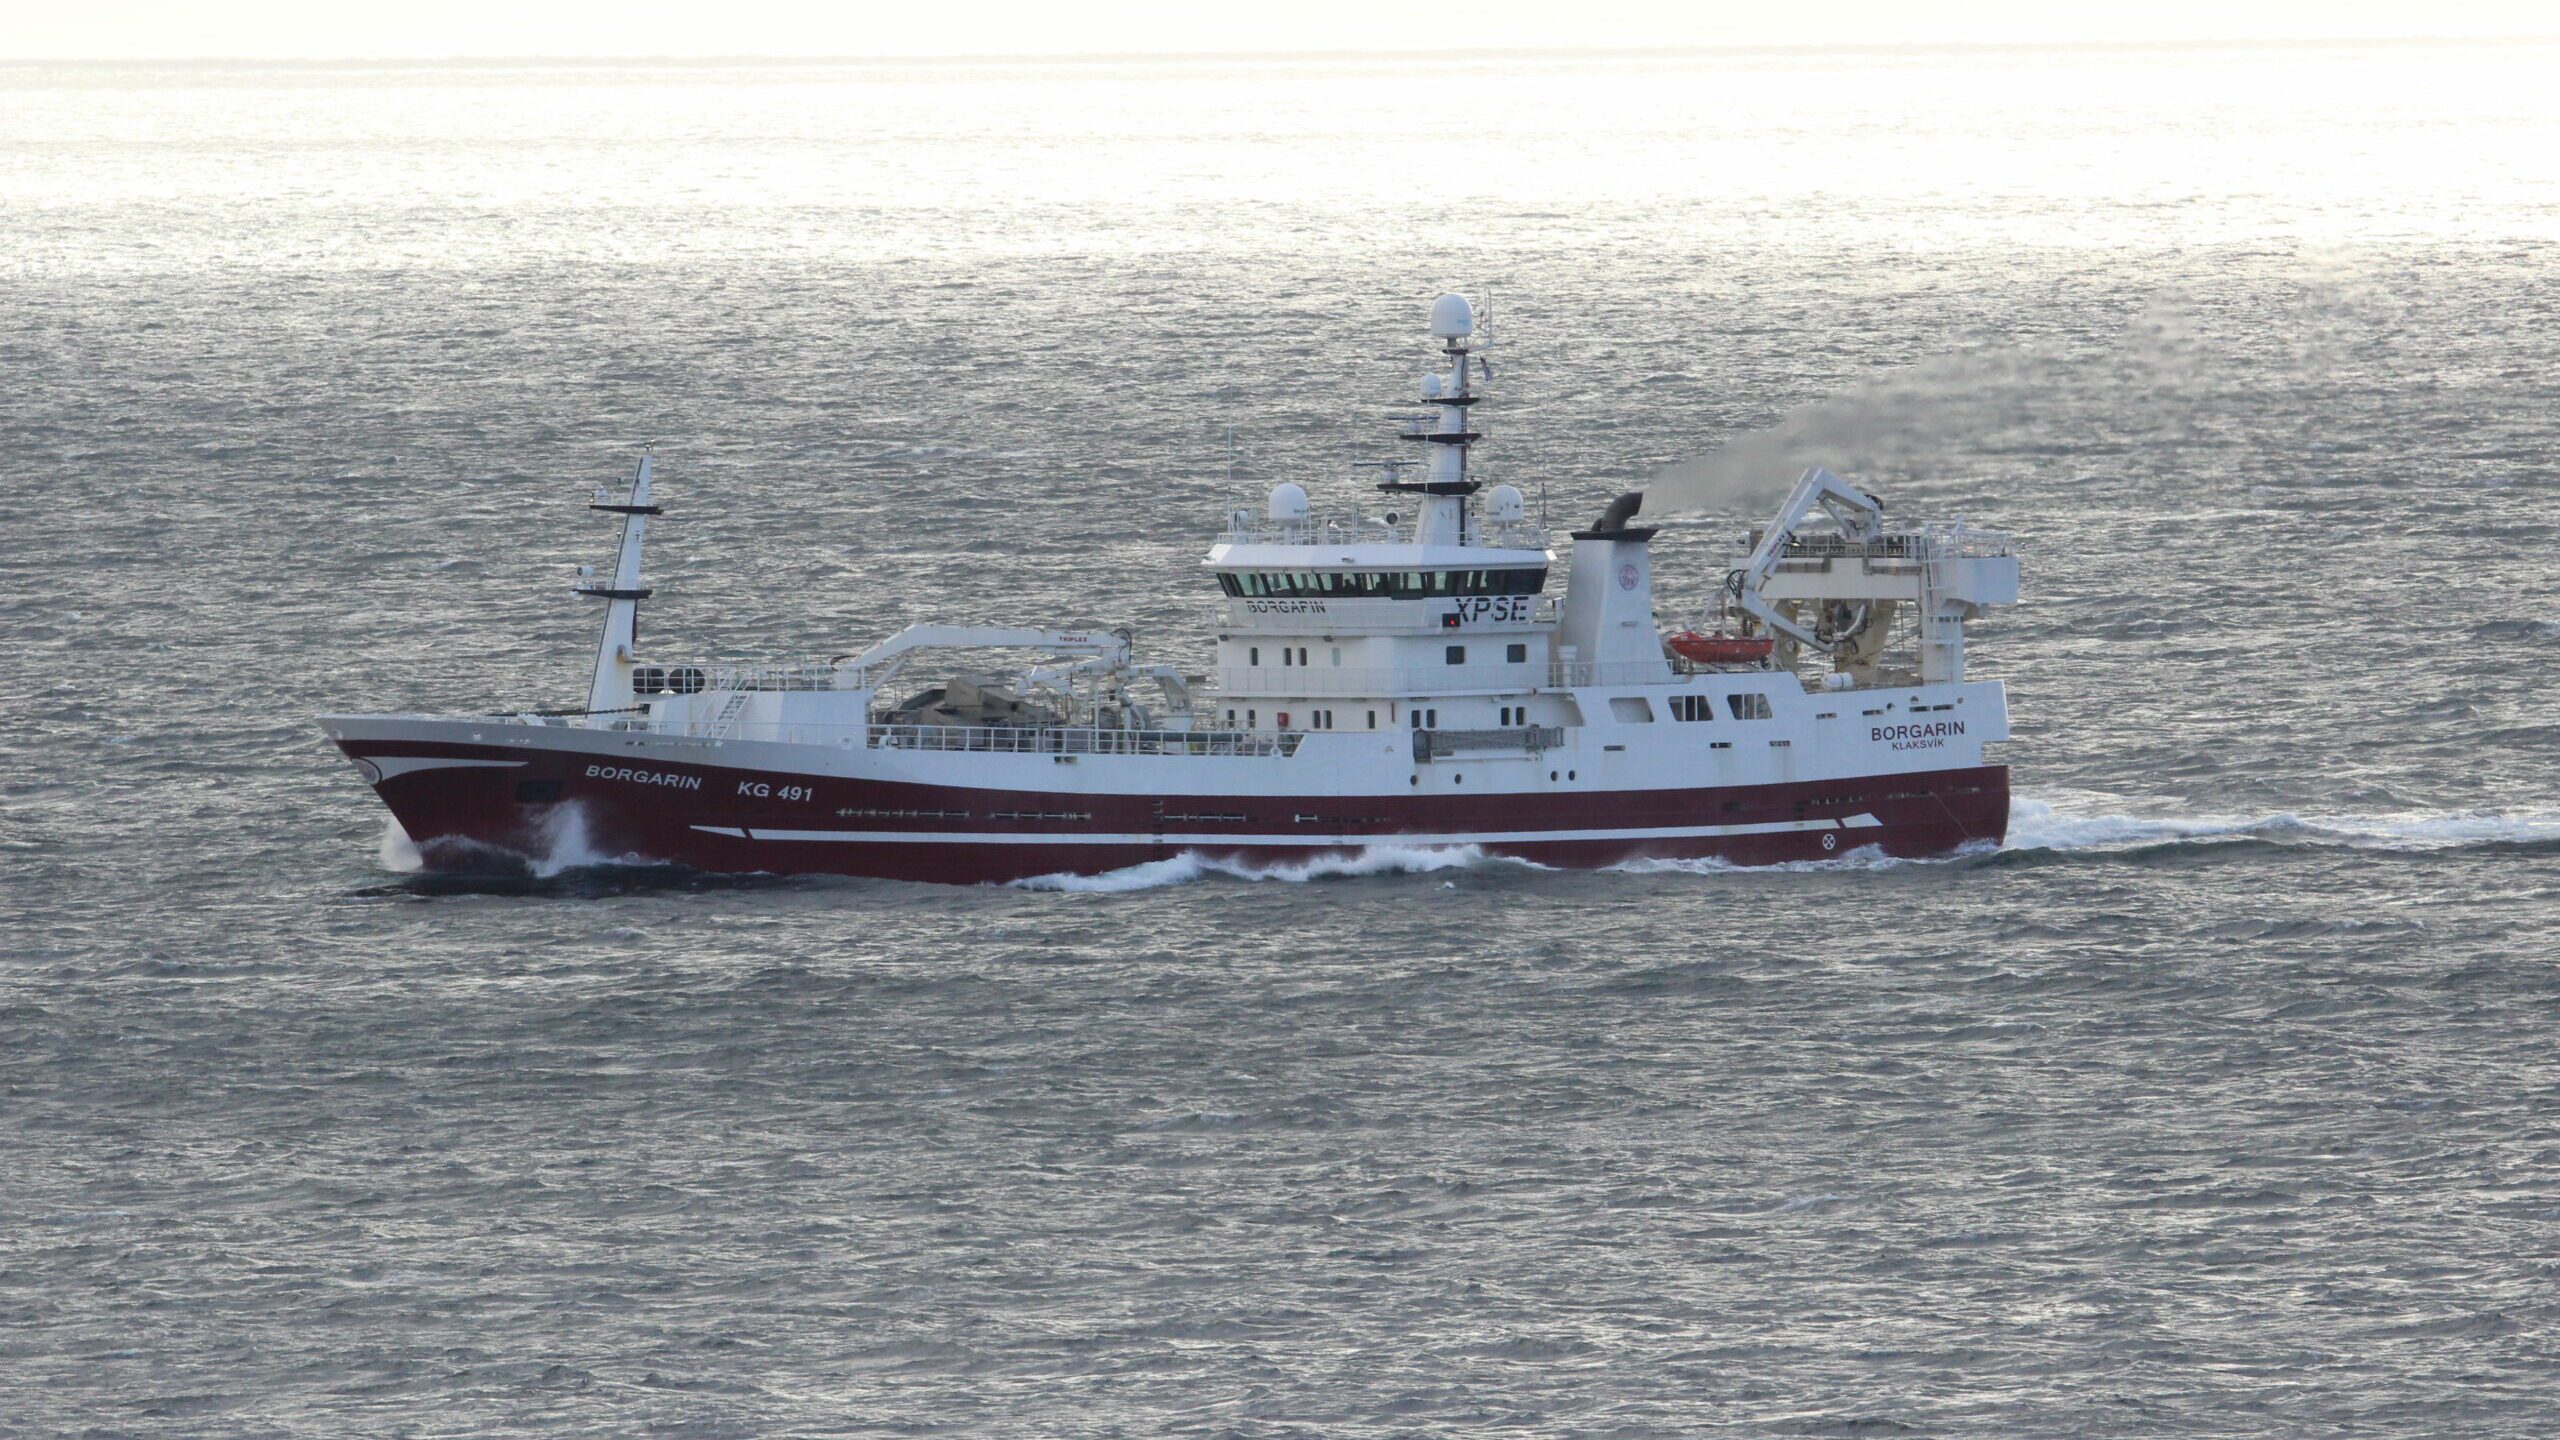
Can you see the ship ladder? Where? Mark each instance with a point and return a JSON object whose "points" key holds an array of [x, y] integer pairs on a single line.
{"points": [[728, 715]]}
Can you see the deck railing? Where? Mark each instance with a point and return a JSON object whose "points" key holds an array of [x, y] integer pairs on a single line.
{"points": [[1247, 525], [1078, 740]]}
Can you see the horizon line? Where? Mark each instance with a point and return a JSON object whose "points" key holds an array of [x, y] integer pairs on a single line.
{"points": [[1386, 56]]}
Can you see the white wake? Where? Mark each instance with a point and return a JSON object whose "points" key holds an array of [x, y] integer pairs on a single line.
{"points": [[1189, 866], [2038, 825], [2034, 825]]}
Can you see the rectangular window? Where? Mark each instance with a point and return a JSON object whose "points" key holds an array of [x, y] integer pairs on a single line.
{"points": [[1517, 654], [1373, 719], [1748, 707], [1253, 656], [1457, 654], [1337, 654]]}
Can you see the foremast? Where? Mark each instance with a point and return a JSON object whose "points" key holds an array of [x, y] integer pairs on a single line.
{"points": [[610, 693]]}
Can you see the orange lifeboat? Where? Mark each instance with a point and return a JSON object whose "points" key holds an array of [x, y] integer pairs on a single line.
{"points": [[1721, 649]]}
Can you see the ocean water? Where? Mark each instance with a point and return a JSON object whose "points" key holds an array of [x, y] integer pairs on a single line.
{"points": [[2220, 1101]]}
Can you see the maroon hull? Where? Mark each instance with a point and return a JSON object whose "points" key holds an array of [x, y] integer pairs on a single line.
{"points": [[512, 807]]}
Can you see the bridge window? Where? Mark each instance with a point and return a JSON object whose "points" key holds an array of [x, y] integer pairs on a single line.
{"points": [[1748, 707], [1693, 707], [1382, 584]]}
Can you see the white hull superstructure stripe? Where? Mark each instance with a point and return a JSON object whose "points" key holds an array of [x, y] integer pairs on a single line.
{"points": [[1468, 837], [386, 766]]}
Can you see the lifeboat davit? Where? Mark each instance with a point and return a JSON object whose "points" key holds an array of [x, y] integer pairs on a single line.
{"points": [[1721, 649]]}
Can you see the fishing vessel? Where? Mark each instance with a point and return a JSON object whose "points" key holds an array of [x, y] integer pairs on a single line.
{"points": [[1407, 678]]}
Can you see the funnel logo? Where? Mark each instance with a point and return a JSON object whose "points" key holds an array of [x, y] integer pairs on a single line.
{"points": [[1627, 577]]}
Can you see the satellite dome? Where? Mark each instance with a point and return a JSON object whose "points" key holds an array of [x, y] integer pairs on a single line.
{"points": [[1431, 385], [1506, 503], [1288, 503], [1452, 318]]}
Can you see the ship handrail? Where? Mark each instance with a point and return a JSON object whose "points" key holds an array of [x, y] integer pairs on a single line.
{"points": [[1245, 525], [766, 674], [1080, 740], [1951, 541], [982, 739]]}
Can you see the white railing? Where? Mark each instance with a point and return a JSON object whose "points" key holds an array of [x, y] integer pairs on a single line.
{"points": [[787, 675], [1957, 540], [1562, 675], [693, 677], [1079, 740], [983, 739], [1946, 541], [1248, 526], [1267, 683]]}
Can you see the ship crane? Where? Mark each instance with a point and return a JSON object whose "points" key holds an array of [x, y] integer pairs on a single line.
{"points": [[1860, 517], [1855, 582]]}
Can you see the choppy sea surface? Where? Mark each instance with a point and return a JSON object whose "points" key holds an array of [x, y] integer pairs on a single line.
{"points": [[2222, 1100]]}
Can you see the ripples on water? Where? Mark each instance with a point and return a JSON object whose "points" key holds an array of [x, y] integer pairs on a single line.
{"points": [[2215, 1102]]}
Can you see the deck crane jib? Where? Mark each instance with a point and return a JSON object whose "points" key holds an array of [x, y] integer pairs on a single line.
{"points": [[1828, 576]]}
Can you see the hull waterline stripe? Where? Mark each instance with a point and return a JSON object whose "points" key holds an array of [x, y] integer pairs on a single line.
{"points": [[1473, 837]]}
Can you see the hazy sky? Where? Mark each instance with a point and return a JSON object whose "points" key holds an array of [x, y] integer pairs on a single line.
{"points": [[337, 29]]}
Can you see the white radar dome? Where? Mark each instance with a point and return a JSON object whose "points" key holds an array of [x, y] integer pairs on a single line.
{"points": [[1452, 318], [1288, 503], [1506, 503], [1431, 385]]}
